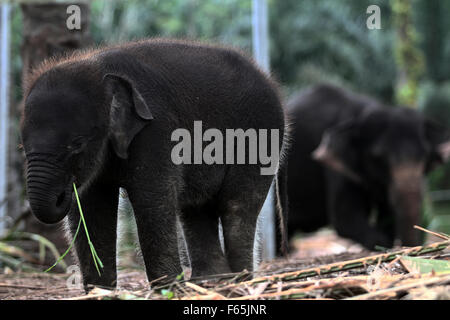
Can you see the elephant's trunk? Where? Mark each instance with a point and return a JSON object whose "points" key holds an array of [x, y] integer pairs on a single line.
{"points": [[406, 197], [49, 190]]}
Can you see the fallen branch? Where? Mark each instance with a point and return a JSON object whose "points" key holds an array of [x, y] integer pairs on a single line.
{"points": [[92, 296], [212, 295], [436, 234], [19, 286], [343, 266], [434, 280], [95, 294]]}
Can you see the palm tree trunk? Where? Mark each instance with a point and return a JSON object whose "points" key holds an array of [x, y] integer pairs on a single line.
{"points": [[410, 59]]}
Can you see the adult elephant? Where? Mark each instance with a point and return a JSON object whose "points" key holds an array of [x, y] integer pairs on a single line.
{"points": [[349, 157], [113, 117]]}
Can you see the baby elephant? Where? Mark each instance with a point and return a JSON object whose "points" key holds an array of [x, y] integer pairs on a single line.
{"points": [[114, 117], [349, 156]]}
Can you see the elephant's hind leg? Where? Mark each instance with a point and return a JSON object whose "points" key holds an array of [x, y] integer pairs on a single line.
{"points": [[201, 231], [241, 200]]}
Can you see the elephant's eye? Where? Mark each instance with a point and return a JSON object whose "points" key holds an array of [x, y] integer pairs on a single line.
{"points": [[77, 144]]}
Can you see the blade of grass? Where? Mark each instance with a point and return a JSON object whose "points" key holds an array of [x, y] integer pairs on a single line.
{"points": [[16, 252], [68, 249], [420, 265], [97, 260], [16, 263], [40, 239], [41, 252]]}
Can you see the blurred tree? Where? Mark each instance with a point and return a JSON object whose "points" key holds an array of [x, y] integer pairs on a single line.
{"points": [[45, 33], [435, 103], [226, 21], [433, 32], [434, 96], [328, 41], [409, 58]]}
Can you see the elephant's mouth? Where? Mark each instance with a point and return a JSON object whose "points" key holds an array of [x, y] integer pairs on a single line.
{"points": [[64, 199]]}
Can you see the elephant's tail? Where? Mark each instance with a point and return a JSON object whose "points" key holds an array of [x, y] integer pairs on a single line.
{"points": [[281, 208], [281, 195]]}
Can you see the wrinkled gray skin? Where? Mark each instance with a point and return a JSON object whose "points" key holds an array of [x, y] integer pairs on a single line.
{"points": [[350, 156], [104, 120]]}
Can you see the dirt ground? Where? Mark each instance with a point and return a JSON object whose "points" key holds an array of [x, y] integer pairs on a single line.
{"points": [[311, 252]]}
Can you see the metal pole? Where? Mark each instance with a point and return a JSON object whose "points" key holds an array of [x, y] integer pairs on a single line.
{"points": [[4, 109], [266, 220], [260, 34]]}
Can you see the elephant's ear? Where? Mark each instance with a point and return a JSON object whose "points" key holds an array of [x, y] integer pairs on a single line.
{"points": [[129, 112], [337, 151], [438, 137]]}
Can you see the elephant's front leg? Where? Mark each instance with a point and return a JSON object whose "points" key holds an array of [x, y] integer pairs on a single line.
{"points": [[99, 204], [349, 210], [155, 214]]}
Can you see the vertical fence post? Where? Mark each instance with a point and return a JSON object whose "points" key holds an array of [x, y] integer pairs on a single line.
{"points": [[260, 34], [266, 220], [4, 110]]}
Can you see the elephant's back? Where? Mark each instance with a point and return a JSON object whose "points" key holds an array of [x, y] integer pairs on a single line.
{"points": [[218, 85], [324, 106]]}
